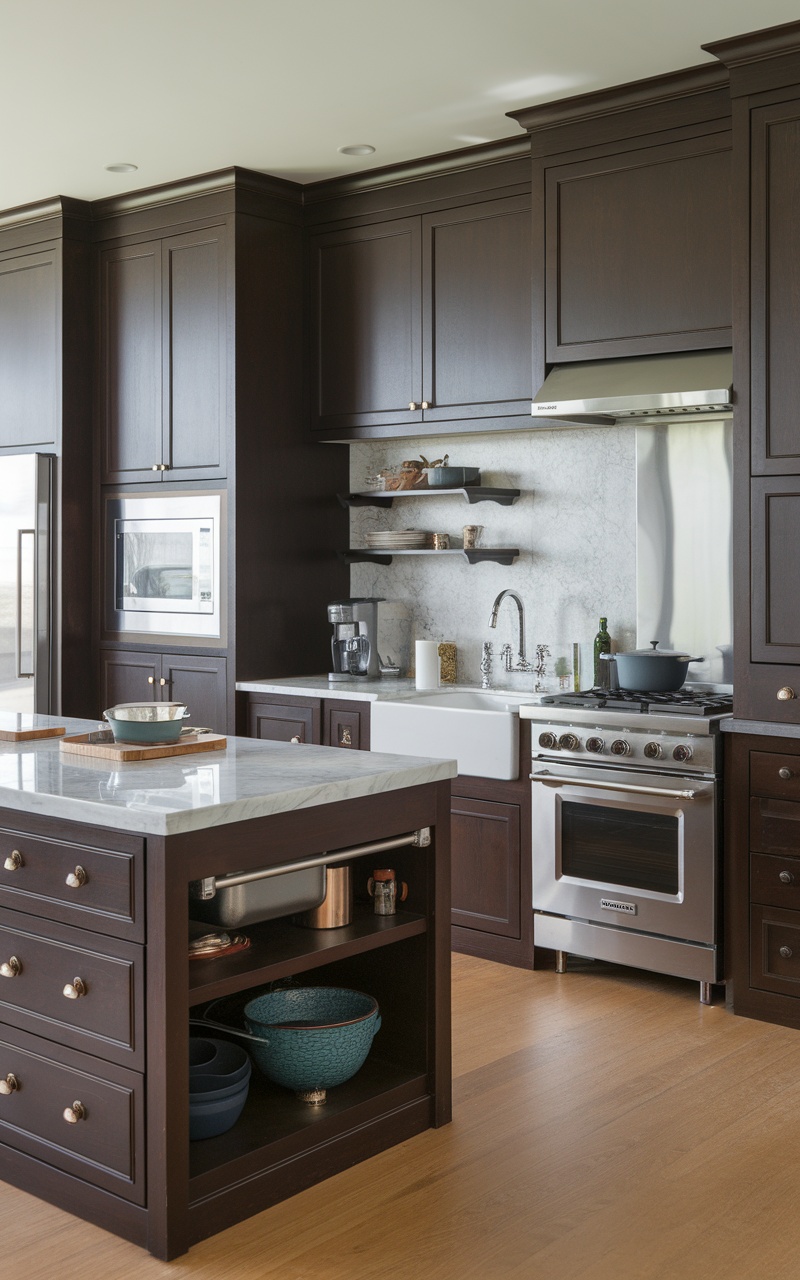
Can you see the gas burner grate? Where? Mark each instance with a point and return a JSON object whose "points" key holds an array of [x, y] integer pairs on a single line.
{"points": [[684, 701]]}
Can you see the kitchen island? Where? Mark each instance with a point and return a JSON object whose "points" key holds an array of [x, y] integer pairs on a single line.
{"points": [[96, 985]]}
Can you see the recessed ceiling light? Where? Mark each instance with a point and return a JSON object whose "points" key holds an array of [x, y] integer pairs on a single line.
{"points": [[357, 149], [122, 166]]}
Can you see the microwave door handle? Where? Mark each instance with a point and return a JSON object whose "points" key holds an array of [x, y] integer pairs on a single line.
{"points": [[555, 780], [21, 535]]}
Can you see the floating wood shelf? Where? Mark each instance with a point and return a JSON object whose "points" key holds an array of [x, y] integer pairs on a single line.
{"points": [[471, 493], [475, 555]]}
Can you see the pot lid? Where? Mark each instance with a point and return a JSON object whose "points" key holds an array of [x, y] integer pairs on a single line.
{"points": [[653, 652]]}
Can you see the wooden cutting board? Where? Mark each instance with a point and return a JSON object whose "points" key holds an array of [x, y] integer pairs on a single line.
{"points": [[27, 732], [123, 751]]}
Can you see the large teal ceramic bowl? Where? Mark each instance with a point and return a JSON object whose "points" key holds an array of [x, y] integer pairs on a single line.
{"points": [[146, 723], [311, 1038]]}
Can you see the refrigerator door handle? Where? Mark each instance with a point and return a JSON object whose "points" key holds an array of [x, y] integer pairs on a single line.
{"points": [[22, 564]]}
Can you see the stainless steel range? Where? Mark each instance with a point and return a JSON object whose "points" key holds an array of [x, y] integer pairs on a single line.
{"points": [[626, 829]]}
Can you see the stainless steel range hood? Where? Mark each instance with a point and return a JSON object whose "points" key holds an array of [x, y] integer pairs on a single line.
{"points": [[694, 384]]}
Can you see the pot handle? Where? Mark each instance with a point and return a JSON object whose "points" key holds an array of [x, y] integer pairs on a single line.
{"points": [[232, 1031]]}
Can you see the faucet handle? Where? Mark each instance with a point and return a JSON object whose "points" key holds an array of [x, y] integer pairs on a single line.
{"points": [[486, 664]]}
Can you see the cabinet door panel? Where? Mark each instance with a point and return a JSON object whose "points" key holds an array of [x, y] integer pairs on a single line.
{"points": [[29, 356], [485, 850], [280, 722], [775, 291], [477, 311], [125, 677], [775, 586], [202, 684], [638, 251], [130, 323], [346, 724], [195, 344], [366, 325]]}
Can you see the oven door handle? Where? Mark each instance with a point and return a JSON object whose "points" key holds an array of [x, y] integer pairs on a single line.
{"points": [[556, 780]]}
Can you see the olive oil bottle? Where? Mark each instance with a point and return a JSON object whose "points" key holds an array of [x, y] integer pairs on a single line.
{"points": [[602, 644]]}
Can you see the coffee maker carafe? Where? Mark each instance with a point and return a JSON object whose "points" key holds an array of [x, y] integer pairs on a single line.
{"points": [[354, 644]]}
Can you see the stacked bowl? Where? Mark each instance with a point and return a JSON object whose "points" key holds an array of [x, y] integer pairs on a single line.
{"points": [[219, 1081]]}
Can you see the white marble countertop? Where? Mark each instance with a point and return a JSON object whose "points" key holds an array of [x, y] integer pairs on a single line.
{"points": [[380, 690], [249, 779]]}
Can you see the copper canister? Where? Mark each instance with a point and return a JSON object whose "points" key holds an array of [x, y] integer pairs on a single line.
{"points": [[336, 908]]}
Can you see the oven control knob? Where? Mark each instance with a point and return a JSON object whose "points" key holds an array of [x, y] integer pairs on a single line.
{"points": [[682, 753], [568, 742], [652, 751], [619, 747], [547, 740], [595, 745]]}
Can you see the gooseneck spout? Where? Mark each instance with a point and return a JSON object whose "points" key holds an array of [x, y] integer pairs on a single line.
{"points": [[522, 662]]}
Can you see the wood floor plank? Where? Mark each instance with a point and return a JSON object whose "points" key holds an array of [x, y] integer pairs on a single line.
{"points": [[607, 1126]]}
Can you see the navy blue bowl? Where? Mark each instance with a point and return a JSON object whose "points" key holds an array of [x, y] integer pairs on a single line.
{"points": [[209, 1119], [227, 1059], [214, 1088]]}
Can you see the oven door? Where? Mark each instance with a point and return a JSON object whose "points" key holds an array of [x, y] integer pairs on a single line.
{"points": [[632, 850]]}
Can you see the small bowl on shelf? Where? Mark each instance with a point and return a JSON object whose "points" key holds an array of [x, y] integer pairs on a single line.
{"points": [[453, 477]]}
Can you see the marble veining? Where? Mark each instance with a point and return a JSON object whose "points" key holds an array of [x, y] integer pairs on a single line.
{"points": [[575, 525], [249, 779]]}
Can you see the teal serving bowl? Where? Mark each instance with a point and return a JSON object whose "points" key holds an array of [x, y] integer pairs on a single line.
{"points": [[309, 1039], [147, 723]]}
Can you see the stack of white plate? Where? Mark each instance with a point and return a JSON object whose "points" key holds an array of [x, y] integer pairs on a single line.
{"points": [[397, 540]]}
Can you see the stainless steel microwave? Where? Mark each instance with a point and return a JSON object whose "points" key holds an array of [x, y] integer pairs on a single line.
{"points": [[164, 565]]}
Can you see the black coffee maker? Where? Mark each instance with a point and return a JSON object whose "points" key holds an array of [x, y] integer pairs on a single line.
{"points": [[354, 643]]}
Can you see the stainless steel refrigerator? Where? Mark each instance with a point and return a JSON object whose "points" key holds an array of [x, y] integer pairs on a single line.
{"points": [[27, 624]]}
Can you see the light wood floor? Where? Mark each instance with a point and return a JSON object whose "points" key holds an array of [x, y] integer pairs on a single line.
{"points": [[607, 1127]]}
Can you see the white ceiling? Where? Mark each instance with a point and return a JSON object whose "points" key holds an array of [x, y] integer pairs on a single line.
{"points": [[182, 87]]}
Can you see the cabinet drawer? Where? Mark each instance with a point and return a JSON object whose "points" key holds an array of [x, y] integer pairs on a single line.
{"points": [[105, 1146], [775, 950], [774, 826], [99, 889], [775, 775], [37, 970], [775, 881]]}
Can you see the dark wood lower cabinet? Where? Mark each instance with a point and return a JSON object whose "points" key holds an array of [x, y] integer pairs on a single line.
{"points": [[486, 870], [198, 680], [762, 856]]}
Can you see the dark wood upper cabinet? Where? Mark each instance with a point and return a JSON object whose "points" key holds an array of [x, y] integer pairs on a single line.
{"points": [[164, 337], [637, 248], [423, 319], [30, 359]]}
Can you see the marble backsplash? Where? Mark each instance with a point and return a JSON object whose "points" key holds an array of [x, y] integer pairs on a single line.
{"points": [[575, 526]]}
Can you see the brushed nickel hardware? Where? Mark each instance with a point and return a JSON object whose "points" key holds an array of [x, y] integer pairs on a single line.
{"points": [[652, 750], [160, 466], [76, 878], [10, 968], [14, 861], [412, 404], [593, 744], [557, 780], [75, 1113], [486, 665], [786, 694], [296, 738], [522, 661], [425, 405], [786, 877], [75, 989], [568, 742], [151, 679], [786, 953], [682, 753], [9, 1085], [785, 774], [345, 736], [162, 681], [548, 741], [619, 747]]}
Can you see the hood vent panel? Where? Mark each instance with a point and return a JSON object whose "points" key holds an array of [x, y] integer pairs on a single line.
{"points": [[694, 384]]}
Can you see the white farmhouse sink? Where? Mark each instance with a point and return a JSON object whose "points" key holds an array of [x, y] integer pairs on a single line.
{"points": [[478, 728]]}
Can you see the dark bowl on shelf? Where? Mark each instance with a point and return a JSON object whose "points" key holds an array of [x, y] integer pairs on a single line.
{"points": [[211, 1117], [211, 1057], [214, 1088]]}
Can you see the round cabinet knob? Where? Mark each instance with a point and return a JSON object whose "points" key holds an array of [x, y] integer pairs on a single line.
{"points": [[14, 861], [786, 694], [619, 747], [786, 877], [151, 679], [682, 753], [786, 952], [412, 404], [568, 742], [162, 681], [10, 968], [75, 1113], [547, 740], [77, 878], [652, 750], [425, 404], [296, 738], [75, 989], [785, 774], [9, 1085], [595, 745]]}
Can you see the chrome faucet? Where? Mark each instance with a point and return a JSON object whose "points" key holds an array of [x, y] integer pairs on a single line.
{"points": [[522, 661]]}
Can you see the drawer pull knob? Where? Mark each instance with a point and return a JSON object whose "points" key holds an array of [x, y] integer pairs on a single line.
{"points": [[786, 877], [75, 1113], [10, 968], [786, 774], [786, 952], [76, 878], [9, 1085], [786, 694], [296, 738], [14, 861], [75, 989]]}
